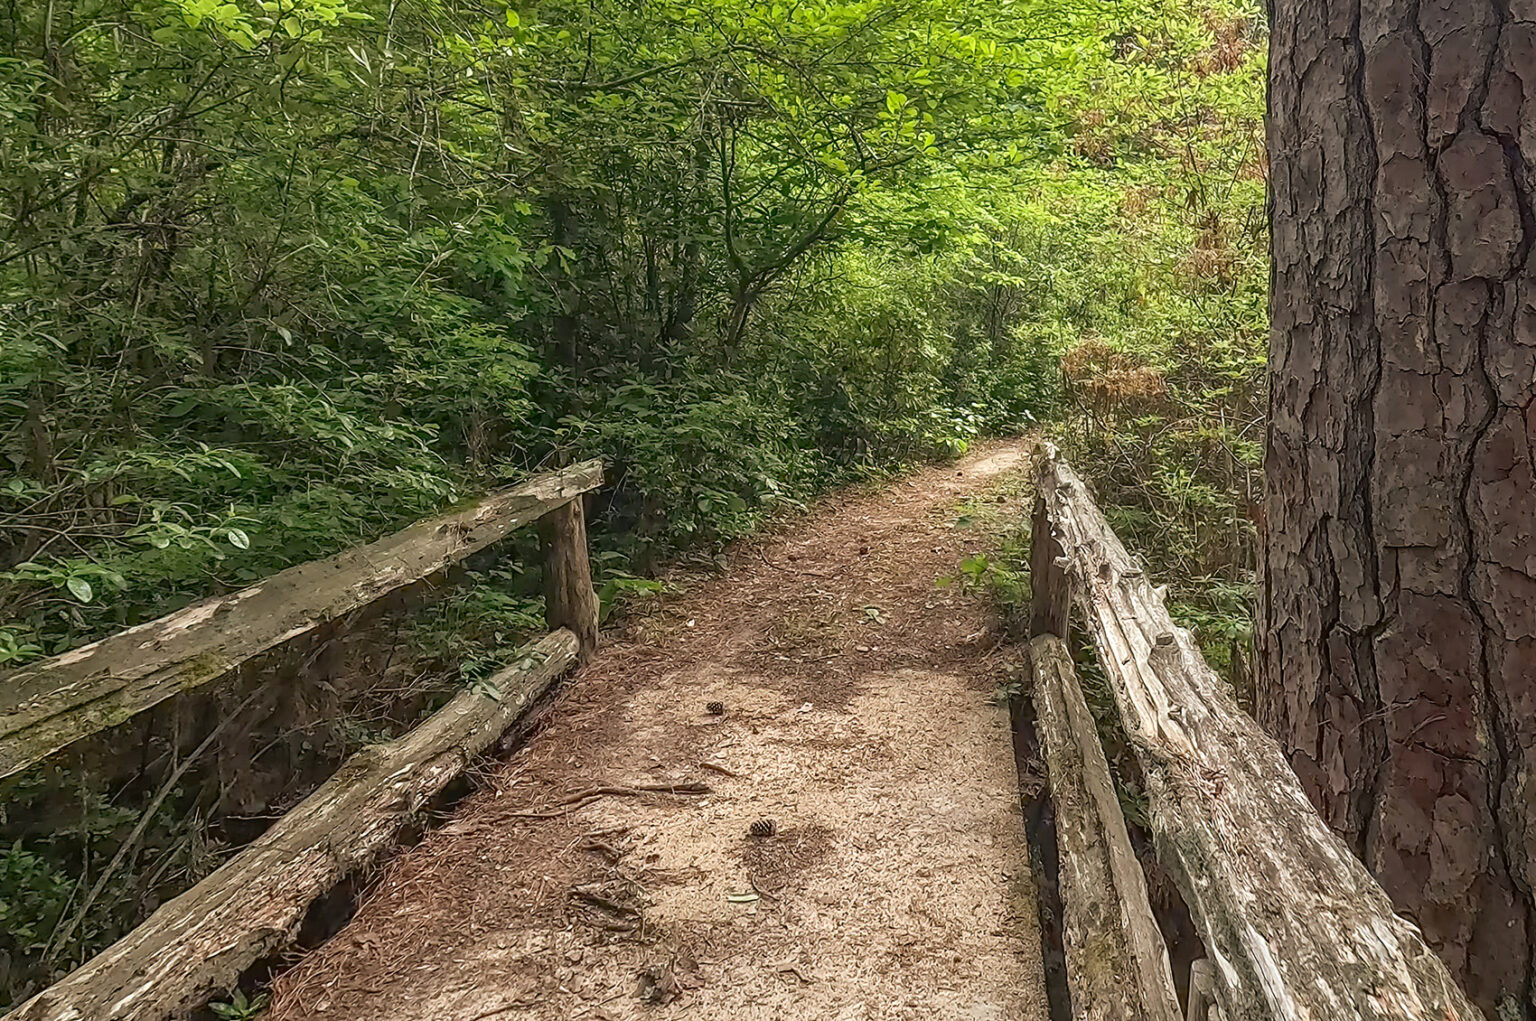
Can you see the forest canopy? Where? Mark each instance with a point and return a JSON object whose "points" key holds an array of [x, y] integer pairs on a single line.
{"points": [[278, 275]]}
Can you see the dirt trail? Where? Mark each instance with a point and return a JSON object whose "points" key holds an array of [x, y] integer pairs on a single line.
{"points": [[858, 717]]}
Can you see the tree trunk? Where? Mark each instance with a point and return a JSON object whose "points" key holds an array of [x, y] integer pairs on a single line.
{"points": [[741, 309], [566, 322], [1398, 617]]}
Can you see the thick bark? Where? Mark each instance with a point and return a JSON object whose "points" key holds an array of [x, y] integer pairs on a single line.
{"points": [[1295, 925], [46, 706], [198, 944], [1117, 963], [1398, 618]]}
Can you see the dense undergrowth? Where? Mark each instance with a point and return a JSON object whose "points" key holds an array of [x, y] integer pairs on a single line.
{"points": [[277, 277], [1151, 241], [1163, 367]]}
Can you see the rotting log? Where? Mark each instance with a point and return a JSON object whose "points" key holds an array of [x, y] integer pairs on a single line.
{"points": [[48, 705], [1295, 926], [198, 944], [1117, 962], [569, 599]]}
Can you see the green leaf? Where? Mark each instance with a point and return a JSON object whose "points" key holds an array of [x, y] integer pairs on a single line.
{"points": [[80, 589], [238, 539]]}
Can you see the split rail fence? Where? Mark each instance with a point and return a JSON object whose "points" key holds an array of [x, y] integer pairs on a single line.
{"points": [[1294, 927], [199, 943]]}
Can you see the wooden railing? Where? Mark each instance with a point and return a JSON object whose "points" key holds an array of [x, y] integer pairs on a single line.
{"points": [[199, 943], [1293, 925], [50, 704]]}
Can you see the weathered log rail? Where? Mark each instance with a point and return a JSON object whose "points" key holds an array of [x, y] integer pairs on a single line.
{"points": [[50, 704], [199, 943], [1294, 926]]}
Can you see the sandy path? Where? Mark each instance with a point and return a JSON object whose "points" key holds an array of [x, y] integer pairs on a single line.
{"points": [[858, 718]]}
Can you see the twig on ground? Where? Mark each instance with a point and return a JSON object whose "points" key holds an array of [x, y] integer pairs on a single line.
{"points": [[795, 971], [792, 570], [586, 797], [510, 1005], [752, 881], [603, 901]]}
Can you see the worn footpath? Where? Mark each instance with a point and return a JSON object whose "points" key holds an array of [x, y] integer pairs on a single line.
{"points": [[609, 870]]}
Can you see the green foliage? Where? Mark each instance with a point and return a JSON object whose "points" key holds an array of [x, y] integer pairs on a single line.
{"points": [[618, 587], [35, 890], [39, 888], [239, 1007], [998, 577], [1159, 303], [276, 279], [476, 629]]}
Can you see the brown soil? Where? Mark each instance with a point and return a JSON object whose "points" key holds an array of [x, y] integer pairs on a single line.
{"points": [[859, 720]]}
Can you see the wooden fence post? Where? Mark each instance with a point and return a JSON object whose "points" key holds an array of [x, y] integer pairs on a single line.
{"points": [[1049, 586], [569, 598]]}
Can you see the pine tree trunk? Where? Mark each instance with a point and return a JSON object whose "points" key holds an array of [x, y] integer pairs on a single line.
{"points": [[1398, 617]]}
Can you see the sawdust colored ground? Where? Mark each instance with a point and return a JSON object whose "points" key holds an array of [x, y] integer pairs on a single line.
{"points": [[858, 719]]}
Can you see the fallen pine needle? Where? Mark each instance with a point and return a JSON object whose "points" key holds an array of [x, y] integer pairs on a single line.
{"points": [[752, 881], [786, 966]]}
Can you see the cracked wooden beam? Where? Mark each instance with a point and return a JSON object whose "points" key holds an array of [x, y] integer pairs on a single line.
{"points": [[1117, 962]]}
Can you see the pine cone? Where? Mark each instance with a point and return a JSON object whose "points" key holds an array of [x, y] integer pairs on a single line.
{"points": [[762, 828], [715, 708]]}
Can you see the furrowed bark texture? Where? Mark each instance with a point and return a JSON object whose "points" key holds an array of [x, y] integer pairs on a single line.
{"points": [[1398, 617], [48, 705], [1295, 927], [198, 944], [1117, 963]]}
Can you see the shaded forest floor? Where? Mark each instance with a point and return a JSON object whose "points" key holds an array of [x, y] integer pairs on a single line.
{"points": [[859, 717]]}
